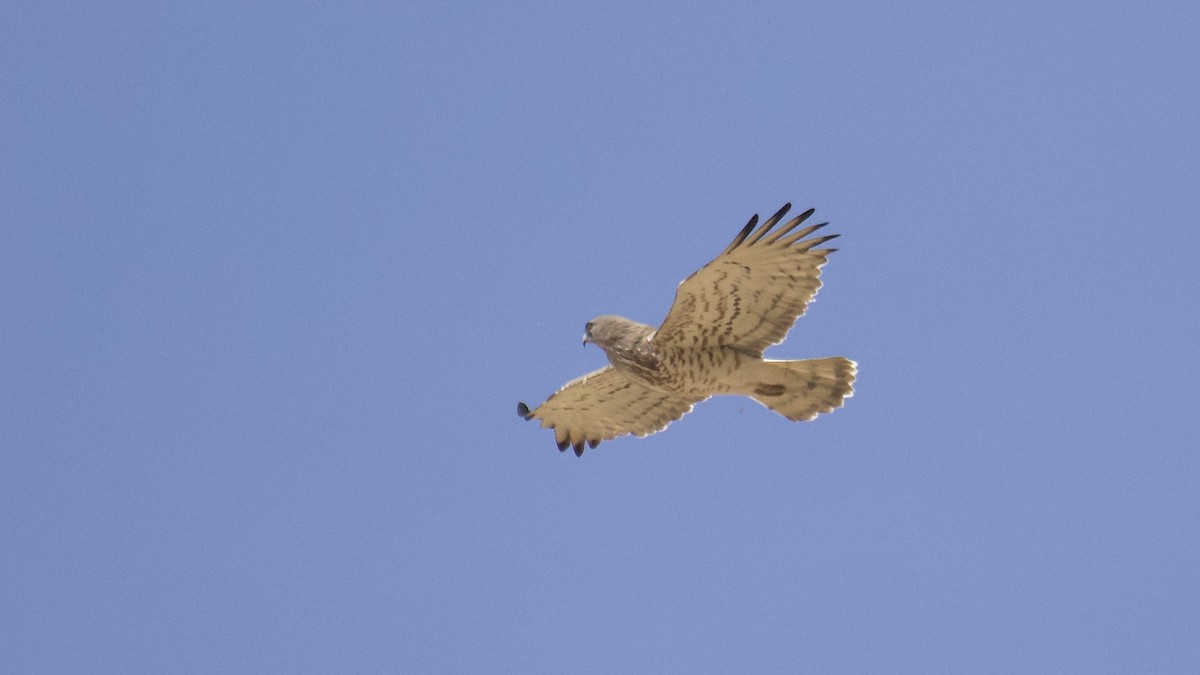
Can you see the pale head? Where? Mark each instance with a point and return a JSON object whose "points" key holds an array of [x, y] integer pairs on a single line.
{"points": [[611, 332]]}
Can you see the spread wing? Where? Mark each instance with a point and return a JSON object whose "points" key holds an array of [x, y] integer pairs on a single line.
{"points": [[603, 405], [751, 294]]}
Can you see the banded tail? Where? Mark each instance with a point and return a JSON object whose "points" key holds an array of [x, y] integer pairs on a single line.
{"points": [[800, 390]]}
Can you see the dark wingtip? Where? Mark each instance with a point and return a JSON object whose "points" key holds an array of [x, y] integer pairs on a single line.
{"points": [[747, 229], [593, 443], [563, 445], [737, 241], [578, 449], [523, 411]]}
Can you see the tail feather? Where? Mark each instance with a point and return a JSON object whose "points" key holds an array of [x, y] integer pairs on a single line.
{"points": [[800, 390]]}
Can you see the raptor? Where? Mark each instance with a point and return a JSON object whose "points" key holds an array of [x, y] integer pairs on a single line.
{"points": [[711, 343]]}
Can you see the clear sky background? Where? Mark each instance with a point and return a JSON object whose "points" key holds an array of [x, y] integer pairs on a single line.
{"points": [[274, 277]]}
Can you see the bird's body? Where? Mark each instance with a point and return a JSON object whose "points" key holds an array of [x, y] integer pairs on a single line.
{"points": [[711, 343], [689, 372]]}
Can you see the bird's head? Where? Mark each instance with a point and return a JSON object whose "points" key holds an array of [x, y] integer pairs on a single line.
{"points": [[609, 331]]}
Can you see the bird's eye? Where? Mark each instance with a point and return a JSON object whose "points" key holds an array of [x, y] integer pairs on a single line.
{"points": [[588, 327]]}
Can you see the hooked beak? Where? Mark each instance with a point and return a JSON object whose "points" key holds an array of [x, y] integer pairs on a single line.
{"points": [[586, 339]]}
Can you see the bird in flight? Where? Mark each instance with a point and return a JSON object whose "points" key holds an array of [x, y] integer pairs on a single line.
{"points": [[711, 343]]}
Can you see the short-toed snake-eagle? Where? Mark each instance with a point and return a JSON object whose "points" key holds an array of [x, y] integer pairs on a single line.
{"points": [[711, 343]]}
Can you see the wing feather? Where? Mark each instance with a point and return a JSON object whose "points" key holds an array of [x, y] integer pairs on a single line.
{"points": [[749, 297], [603, 405], [791, 225], [770, 222], [741, 236]]}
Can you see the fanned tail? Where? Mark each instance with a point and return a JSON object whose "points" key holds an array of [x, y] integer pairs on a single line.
{"points": [[800, 390]]}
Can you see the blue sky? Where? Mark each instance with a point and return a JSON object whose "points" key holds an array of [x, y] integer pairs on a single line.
{"points": [[273, 279]]}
